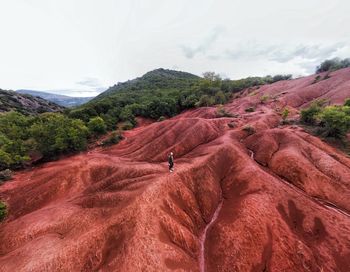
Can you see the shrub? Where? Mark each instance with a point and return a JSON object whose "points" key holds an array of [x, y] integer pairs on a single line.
{"points": [[231, 125], [160, 119], [5, 175], [335, 121], [56, 134], [309, 115], [249, 129], [332, 65], [250, 109], [3, 210], [206, 101], [127, 125], [114, 138], [347, 102], [317, 79], [264, 98], [97, 126], [285, 114], [221, 112], [220, 98]]}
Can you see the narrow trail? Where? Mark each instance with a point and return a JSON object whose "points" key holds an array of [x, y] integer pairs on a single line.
{"points": [[203, 237]]}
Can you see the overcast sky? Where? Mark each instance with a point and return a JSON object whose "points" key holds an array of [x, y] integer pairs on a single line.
{"points": [[80, 47]]}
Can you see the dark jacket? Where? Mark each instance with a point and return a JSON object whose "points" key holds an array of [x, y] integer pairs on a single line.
{"points": [[171, 160]]}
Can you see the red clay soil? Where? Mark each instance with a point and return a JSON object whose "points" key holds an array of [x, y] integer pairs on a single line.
{"points": [[277, 199]]}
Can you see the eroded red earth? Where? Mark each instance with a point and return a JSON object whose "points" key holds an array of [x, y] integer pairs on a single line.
{"points": [[274, 200]]}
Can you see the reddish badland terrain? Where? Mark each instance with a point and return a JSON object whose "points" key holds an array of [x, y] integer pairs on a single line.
{"points": [[277, 199]]}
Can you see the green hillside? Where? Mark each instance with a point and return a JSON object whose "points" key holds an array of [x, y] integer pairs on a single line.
{"points": [[163, 93]]}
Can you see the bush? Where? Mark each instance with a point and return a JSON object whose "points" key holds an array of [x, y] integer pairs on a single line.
{"points": [[160, 119], [332, 65], [309, 115], [220, 98], [250, 109], [317, 79], [347, 102], [56, 134], [114, 138], [127, 125], [97, 126], [231, 125], [335, 121], [3, 210], [221, 112], [5, 175], [264, 98], [206, 101], [249, 129], [285, 114]]}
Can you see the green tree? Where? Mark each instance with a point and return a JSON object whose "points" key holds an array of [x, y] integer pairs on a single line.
{"points": [[206, 101], [97, 126], [335, 121], [220, 97]]}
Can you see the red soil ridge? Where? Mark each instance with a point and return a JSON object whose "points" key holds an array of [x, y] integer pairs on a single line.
{"points": [[285, 195]]}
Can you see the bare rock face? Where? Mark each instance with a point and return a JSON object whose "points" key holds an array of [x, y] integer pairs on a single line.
{"points": [[276, 199], [25, 103]]}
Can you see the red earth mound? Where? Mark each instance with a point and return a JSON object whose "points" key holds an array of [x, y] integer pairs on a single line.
{"points": [[247, 194]]}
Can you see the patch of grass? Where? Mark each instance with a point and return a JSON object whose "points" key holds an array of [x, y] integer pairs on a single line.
{"points": [[264, 98]]}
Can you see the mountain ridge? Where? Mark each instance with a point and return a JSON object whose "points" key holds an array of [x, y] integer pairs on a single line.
{"points": [[25, 103], [62, 100]]}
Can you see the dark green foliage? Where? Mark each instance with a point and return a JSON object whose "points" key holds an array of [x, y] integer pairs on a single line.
{"points": [[309, 115], [249, 129], [56, 134], [335, 121], [3, 210], [97, 126], [49, 133], [347, 102], [332, 121], [13, 136], [128, 125], [206, 101], [250, 109], [114, 138], [332, 65]]}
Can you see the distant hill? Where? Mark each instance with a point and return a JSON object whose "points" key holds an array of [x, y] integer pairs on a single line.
{"points": [[63, 100], [159, 78], [25, 103]]}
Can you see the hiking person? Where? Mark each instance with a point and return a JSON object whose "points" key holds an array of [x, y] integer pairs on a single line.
{"points": [[171, 162]]}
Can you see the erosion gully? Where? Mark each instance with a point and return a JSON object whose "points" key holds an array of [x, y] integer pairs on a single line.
{"points": [[203, 237]]}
